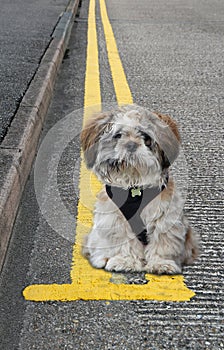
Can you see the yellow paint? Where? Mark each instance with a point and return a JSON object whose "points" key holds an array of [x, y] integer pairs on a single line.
{"points": [[99, 288], [92, 77], [121, 86], [89, 283]]}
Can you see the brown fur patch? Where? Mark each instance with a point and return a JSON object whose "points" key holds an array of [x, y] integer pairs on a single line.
{"points": [[90, 136], [172, 124], [92, 130], [167, 193], [191, 246], [102, 195]]}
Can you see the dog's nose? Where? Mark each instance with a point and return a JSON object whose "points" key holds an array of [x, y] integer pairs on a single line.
{"points": [[131, 146]]}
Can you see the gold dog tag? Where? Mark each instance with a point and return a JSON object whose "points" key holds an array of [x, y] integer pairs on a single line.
{"points": [[136, 192]]}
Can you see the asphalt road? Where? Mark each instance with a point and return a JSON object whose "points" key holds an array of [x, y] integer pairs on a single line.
{"points": [[172, 55], [25, 32]]}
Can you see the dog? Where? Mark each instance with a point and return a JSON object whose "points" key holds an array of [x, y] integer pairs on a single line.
{"points": [[139, 223]]}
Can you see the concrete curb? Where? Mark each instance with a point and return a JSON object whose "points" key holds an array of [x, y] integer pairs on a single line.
{"points": [[18, 149]]}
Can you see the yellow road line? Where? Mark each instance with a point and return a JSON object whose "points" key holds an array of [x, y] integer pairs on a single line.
{"points": [[121, 86], [89, 283], [92, 77]]}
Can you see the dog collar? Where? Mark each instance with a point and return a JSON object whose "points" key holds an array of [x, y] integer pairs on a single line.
{"points": [[131, 202]]}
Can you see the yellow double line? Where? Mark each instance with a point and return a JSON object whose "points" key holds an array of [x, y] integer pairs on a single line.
{"points": [[88, 283]]}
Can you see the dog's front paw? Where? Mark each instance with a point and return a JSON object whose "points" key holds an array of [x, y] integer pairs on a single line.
{"points": [[99, 262], [163, 267], [119, 263]]}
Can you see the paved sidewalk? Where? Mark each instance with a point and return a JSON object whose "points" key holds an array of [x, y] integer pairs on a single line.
{"points": [[25, 32]]}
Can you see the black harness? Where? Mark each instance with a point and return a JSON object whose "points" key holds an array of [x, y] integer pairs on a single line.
{"points": [[131, 202]]}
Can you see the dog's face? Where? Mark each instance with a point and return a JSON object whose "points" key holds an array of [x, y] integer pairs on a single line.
{"points": [[130, 146]]}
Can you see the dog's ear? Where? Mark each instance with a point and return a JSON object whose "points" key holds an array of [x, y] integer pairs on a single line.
{"points": [[91, 134], [170, 141], [172, 124]]}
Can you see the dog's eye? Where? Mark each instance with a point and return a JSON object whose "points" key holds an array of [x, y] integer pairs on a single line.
{"points": [[117, 135], [147, 139]]}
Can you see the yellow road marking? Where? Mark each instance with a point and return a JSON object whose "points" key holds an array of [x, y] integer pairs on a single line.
{"points": [[121, 86], [89, 283], [92, 78]]}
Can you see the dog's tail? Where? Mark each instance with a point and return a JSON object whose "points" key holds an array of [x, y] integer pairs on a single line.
{"points": [[191, 246]]}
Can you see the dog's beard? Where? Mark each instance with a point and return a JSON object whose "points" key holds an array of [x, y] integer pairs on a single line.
{"points": [[125, 169]]}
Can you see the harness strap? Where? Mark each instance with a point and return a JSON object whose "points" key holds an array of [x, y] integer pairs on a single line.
{"points": [[132, 206]]}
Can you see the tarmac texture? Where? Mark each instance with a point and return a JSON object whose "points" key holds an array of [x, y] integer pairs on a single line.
{"points": [[26, 28], [173, 58], [17, 151]]}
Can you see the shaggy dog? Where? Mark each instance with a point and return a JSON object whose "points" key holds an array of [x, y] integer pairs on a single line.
{"points": [[139, 223]]}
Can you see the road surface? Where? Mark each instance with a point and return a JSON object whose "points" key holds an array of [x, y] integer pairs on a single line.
{"points": [[172, 59]]}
